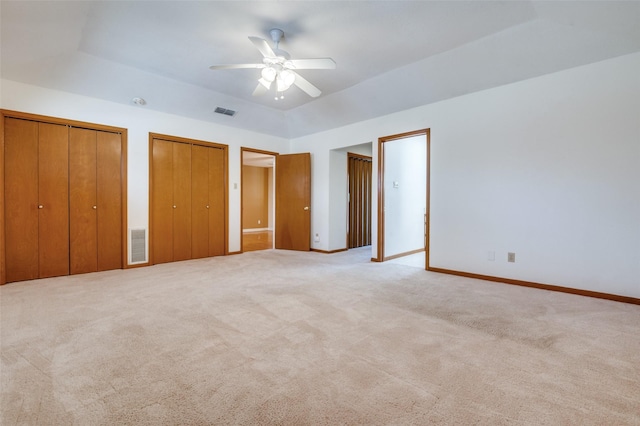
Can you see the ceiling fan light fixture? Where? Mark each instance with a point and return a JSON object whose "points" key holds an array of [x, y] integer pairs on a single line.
{"points": [[284, 80], [288, 76], [281, 85], [269, 74]]}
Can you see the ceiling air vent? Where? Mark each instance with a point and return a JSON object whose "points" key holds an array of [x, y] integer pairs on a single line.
{"points": [[225, 111]]}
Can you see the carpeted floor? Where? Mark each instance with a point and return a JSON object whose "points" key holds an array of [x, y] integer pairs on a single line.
{"points": [[276, 337]]}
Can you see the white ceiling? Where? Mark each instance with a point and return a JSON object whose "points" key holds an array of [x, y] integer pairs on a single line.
{"points": [[390, 55]]}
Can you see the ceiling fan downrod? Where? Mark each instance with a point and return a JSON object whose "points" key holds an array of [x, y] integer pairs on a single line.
{"points": [[276, 35]]}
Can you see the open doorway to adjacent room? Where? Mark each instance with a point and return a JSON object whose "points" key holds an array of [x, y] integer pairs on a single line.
{"points": [[350, 184], [403, 196], [359, 173], [258, 201]]}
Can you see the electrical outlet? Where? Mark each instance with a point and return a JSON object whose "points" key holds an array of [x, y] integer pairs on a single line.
{"points": [[511, 257], [316, 239]]}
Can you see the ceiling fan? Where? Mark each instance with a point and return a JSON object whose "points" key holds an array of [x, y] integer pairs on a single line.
{"points": [[278, 67]]}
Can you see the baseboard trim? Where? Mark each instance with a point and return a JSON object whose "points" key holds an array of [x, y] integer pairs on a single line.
{"points": [[406, 253], [328, 251], [579, 292], [137, 265], [234, 252]]}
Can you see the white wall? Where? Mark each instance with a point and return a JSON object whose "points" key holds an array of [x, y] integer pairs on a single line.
{"points": [[405, 194], [139, 122], [546, 168]]}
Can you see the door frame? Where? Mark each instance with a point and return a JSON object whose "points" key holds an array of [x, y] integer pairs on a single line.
{"points": [[256, 151], [381, 141], [70, 123]]}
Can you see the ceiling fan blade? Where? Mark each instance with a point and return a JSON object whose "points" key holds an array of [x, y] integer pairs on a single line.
{"points": [[235, 66], [305, 86], [260, 90], [263, 47], [313, 64]]}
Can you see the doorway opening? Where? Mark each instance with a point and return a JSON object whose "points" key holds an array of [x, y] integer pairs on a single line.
{"points": [[403, 195], [359, 170], [257, 199]]}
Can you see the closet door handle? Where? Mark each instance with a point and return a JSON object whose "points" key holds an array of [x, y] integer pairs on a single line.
{"points": [[41, 206], [207, 206], [95, 207], [174, 207], [306, 208]]}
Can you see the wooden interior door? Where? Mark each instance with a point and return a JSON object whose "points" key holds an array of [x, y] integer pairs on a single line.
{"points": [[21, 199], [181, 201], [217, 205], [83, 235], [109, 200], [200, 201], [162, 201], [53, 195], [293, 202]]}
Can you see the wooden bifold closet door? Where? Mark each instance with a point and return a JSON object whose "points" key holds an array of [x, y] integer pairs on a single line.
{"points": [[188, 200], [208, 213], [63, 199], [94, 201], [171, 201], [36, 200]]}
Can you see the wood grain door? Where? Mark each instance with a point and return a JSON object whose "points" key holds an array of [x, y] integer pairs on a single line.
{"points": [[293, 202], [109, 200], [36, 199], [162, 201], [181, 201], [200, 201], [207, 201], [21, 199], [53, 193], [83, 235]]}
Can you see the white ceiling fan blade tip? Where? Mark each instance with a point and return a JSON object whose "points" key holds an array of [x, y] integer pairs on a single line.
{"points": [[306, 87], [260, 90], [313, 64], [235, 66]]}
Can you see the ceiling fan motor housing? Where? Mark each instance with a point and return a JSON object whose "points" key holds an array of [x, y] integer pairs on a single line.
{"points": [[276, 35]]}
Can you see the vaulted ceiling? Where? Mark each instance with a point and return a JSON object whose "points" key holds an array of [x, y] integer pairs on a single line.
{"points": [[390, 55]]}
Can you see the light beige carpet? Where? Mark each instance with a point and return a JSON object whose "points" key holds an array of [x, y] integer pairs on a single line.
{"points": [[278, 337]]}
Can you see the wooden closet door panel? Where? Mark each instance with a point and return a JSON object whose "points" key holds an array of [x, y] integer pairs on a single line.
{"points": [[83, 237], [162, 204], [217, 214], [199, 201], [21, 199], [53, 193], [181, 201], [109, 197]]}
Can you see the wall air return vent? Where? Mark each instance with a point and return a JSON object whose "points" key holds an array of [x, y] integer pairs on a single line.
{"points": [[225, 111], [138, 245]]}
